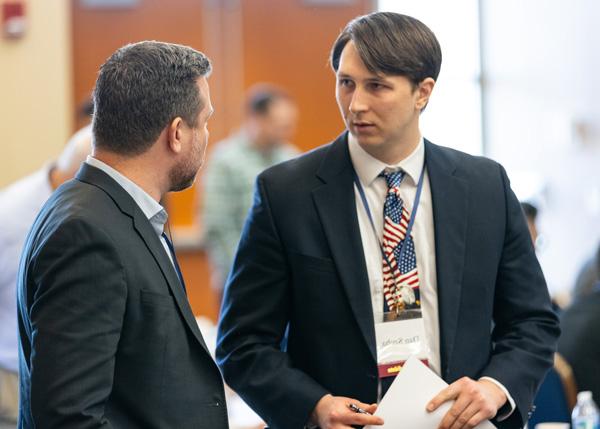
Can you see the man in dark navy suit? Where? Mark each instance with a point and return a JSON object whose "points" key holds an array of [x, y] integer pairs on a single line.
{"points": [[334, 249]]}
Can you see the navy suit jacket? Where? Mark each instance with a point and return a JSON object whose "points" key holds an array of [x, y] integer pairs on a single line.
{"points": [[300, 268], [107, 337]]}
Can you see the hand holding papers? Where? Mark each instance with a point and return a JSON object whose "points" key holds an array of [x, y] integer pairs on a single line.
{"points": [[404, 405]]}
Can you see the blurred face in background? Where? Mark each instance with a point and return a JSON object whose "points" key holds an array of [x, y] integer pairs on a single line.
{"points": [[277, 125]]}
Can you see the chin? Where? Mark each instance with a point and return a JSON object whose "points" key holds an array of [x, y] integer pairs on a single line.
{"points": [[182, 183]]}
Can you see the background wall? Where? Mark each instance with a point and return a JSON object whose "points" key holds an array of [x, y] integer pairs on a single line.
{"points": [[35, 89]]}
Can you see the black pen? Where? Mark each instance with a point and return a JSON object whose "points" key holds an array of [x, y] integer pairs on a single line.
{"points": [[357, 409]]}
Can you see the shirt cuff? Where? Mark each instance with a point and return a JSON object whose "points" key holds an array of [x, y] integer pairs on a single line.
{"points": [[507, 409]]}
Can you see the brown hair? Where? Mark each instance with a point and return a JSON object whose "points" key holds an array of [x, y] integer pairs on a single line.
{"points": [[393, 44]]}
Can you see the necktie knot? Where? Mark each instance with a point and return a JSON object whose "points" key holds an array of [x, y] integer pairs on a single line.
{"points": [[393, 178]]}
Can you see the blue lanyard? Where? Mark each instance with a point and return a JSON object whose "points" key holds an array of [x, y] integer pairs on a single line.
{"points": [[411, 222]]}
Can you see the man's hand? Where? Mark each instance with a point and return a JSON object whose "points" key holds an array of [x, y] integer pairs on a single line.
{"points": [[332, 412], [476, 401]]}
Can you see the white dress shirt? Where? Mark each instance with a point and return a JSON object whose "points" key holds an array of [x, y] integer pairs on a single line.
{"points": [[375, 188]]}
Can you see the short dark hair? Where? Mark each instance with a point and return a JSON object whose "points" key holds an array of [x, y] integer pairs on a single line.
{"points": [[261, 96], [140, 89], [392, 44]]}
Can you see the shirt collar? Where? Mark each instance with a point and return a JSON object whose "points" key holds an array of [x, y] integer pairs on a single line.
{"points": [[368, 168], [153, 211]]}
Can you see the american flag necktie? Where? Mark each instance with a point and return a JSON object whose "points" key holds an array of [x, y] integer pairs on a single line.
{"points": [[400, 276]]}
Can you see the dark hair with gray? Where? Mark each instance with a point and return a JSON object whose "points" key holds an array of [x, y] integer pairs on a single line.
{"points": [[261, 96], [140, 89], [392, 44]]}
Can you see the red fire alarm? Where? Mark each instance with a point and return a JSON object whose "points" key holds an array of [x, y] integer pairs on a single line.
{"points": [[13, 19]]}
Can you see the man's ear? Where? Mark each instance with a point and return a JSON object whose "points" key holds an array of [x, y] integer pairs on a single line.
{"points": [[175, 134], [424, 91]]}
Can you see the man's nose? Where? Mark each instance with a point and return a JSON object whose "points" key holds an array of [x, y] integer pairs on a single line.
{"points": [[358, 103]]}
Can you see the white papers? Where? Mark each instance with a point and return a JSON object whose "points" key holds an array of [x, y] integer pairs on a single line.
{"points": [[403, 406]]}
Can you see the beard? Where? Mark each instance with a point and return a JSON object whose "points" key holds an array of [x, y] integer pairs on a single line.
{"points": [[182, 176]]}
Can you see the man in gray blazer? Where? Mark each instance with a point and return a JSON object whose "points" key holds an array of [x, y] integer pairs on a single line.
{"points": [[107, 337]]}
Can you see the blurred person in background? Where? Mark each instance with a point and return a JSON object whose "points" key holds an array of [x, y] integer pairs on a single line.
{"points": [[559, 300], [579, 342], [263, 140], [20, 202], [588, 276], [531, 213]]}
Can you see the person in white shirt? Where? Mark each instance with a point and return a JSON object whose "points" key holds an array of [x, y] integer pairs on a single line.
{"points": [[381, 246], [20, 202]]}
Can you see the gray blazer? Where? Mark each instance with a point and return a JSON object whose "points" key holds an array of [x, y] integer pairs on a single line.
{"points": [[107, 337]]}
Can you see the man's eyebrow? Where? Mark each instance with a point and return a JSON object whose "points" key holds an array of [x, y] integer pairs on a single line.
{"points": [[377, 78]]}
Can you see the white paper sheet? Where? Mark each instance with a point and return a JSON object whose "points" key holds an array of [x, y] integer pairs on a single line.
{"points": [[403, 406]]}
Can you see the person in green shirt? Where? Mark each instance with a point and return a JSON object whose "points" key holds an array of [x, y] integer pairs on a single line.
{"points": [[262, 141]]}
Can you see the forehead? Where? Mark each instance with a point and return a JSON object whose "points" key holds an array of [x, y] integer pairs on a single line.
{"points": [[351, 64], [202, 84], [281, 105]]}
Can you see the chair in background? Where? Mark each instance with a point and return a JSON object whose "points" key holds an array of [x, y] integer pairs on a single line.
{"points": [[557, 395]]}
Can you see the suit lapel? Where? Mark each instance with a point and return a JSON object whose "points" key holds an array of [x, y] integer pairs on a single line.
{"points": [[449, 196], [147, 233], [335, 202], [143, 227]]}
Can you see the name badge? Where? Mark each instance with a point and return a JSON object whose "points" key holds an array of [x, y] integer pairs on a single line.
{"points": [[397, 340]]}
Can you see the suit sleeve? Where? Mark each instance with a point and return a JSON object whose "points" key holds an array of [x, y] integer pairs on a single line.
{"points": [[525, 326], [76, 313], [254, 318]]}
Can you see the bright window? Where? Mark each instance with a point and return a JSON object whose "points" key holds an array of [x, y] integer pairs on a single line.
{"points": [[453, 115]]}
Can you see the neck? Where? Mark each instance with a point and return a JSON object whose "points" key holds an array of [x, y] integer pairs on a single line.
{"points": [[137, 169], [394, 155], [259, 141], [395, 150]]}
